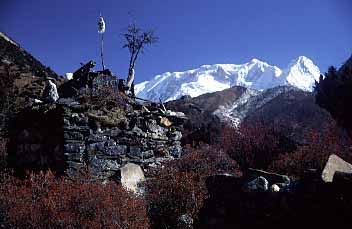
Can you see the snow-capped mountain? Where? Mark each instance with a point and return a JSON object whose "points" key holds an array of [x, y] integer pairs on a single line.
{"points": [[255, 74], [301, 73]]}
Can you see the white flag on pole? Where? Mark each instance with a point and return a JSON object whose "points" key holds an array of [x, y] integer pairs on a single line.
{"points": [[101, 25]]}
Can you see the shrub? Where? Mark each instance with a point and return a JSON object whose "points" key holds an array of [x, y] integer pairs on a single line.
{"points": [[313, 155], [180, 189], [43, 201], [255, 146], [265, 147]]}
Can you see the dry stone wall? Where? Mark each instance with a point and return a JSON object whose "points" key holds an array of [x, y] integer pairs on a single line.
{"points": [[101, 141]]}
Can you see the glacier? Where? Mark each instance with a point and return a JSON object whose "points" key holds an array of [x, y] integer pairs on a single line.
{"points": [[256, 74]]}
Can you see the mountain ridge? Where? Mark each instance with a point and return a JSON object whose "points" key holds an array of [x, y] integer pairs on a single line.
{"points": [[255, 74]]}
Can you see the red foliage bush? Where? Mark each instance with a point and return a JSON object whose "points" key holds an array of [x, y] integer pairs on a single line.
{"points": [[265, 147], [313, 155], [43, 201], [255, 146], [180, 189]]}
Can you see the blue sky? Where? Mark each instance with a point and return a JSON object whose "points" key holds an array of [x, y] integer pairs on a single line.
{"points": [[63, 33]]}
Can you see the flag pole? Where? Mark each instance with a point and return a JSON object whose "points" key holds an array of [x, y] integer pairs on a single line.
{"points": [[102, 51]]}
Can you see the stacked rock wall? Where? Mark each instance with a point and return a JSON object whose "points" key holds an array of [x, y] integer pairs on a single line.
{"points": [[102, 141]]}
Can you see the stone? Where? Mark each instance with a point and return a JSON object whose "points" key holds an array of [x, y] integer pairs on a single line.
{"points": [[35, 101], [116, 150], [66, 122], [333, 165], [148, 154], [175, 151], [98, 146], [134, 152], [275, 188], [70, 135], [77, 157], [82, 129], [165, 122], [79, 120], [131, 175], [185, 221], [175, 135], [102, 164], [94, 138], [67, 102], [154, 127], [272, 178], [75, 165], [137, 131], [101, 146], [113, 132], [74, 148], [258, 184], [50, 92]]}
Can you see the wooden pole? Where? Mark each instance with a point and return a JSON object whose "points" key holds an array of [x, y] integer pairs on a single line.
{"points": [[102, 51]]}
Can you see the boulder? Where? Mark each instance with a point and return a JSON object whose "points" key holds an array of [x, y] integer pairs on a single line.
{"points": [[275, 188], [258, 184], [165, 122], [131, 175], [333, 165], [272, 178]]}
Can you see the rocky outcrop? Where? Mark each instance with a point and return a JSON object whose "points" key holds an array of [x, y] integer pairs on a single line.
{"points": [[21, 79]]}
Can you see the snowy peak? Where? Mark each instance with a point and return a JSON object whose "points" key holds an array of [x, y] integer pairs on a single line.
{"points": [[255, 74], [301, 73]]}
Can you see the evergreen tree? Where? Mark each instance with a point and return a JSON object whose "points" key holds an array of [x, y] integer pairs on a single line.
{"points": [[334, 93]]}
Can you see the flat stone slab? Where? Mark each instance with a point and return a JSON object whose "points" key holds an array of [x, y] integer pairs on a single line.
{"points": [[131, 176], [333, 165]]}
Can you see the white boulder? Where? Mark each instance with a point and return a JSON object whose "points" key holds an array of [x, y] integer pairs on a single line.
{"points": [[131, 176]]}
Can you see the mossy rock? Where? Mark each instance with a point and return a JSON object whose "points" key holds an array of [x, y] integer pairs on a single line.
{"points": [[111, 118]]}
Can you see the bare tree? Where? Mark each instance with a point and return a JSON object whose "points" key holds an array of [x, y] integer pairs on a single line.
{"points": [[136, 40]]}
